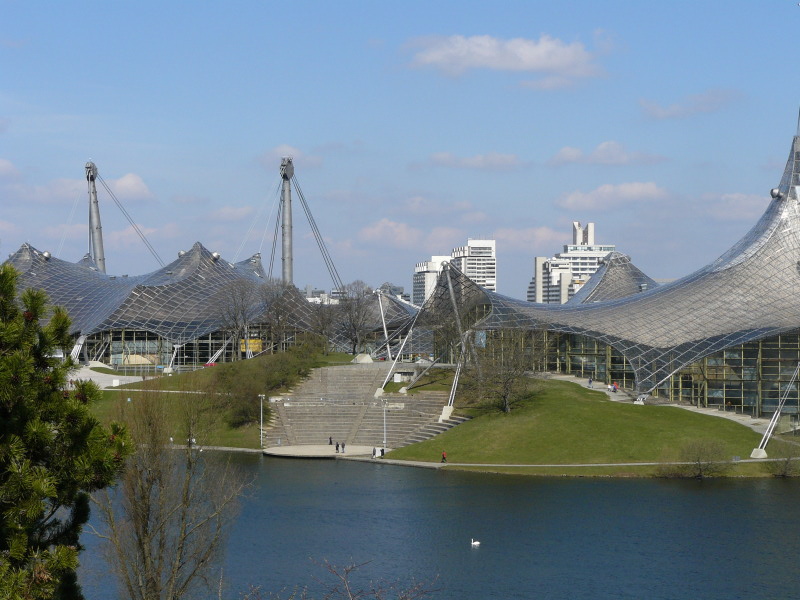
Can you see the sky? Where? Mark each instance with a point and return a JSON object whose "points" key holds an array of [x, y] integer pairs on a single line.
{"points": [[413, 126]]}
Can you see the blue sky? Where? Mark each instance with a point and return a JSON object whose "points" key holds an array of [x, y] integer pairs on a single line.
{"points": [[413, 126]]}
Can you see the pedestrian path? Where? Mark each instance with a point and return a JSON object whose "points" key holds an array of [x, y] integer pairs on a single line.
{"points": [[103, 380], [319, 451]]}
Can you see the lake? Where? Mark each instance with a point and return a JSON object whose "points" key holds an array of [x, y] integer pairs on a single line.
{"points": [[549, 538]]}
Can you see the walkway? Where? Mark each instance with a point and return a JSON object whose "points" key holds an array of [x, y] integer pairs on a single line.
{"points": [[319, 451], [103, 380]]}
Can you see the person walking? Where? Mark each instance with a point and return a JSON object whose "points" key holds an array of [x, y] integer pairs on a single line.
{"points": [[337, 447], [590, 383], [342, 447], [444, 456]]}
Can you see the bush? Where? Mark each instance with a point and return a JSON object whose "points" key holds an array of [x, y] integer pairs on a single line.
{"points": [[786, 461], [699, 459], [240, 384]]}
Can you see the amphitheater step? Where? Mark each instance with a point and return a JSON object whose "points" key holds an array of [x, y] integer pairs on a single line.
{"points": [[338, 403]]}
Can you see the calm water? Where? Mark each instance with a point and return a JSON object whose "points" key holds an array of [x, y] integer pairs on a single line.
{"points": [[540, 538]]}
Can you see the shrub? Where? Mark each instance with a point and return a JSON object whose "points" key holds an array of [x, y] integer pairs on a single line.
{"points": [[698, 459]]}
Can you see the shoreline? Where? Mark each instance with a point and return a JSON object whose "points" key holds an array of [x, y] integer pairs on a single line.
{"points": [[503, 469]]}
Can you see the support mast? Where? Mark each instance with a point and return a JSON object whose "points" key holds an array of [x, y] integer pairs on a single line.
{"points": [[287, 172], [95, 229]]}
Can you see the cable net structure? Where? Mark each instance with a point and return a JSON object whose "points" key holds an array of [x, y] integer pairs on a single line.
{"points": [[201, 308], [749, 293]]}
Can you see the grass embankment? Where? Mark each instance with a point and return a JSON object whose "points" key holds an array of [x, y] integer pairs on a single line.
{"points": [[218, 432], [566, 424], [206, 387], [435, 380]]}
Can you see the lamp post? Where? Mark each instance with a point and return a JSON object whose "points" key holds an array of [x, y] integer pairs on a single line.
{"points": [[261, 426], [384, 424]]}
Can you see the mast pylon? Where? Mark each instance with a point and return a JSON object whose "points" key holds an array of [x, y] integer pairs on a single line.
{"points": [[287, 172], [95, 229]]}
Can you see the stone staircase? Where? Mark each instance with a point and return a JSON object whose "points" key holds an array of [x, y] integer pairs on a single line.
{"points": [[339, 403]]}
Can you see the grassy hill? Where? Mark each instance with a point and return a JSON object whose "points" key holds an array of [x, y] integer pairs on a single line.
{"points": [[566, 423]]}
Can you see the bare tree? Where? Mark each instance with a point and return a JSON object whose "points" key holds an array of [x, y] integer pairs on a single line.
{"points": [[323, 319], [277, 317], [357, 313], [698, 459], [785, 460], [167, 520], [237, 305], [503, 360]]}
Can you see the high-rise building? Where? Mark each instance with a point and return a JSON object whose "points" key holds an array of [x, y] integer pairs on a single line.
{"points": [[425, 275], [555, 280], [477, 260]]}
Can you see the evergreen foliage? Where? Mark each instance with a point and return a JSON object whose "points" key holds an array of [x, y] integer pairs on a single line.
{"points": [[53, 452]]}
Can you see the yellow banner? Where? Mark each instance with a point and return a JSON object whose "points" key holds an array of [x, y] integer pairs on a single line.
{"points": [[254, 345]]}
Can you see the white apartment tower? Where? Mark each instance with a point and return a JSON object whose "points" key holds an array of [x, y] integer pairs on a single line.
{"points": [[478, 261], [425, 275], [555, 280]]}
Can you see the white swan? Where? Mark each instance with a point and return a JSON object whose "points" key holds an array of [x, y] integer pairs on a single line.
{"points": [[474, 543]]}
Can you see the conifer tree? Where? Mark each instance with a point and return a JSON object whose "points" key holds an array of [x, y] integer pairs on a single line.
{"points": [[53, 452]]}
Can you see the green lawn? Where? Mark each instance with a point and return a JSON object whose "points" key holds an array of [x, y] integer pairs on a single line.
{"points": [[436, 380], [217, 432], [567, 424]]}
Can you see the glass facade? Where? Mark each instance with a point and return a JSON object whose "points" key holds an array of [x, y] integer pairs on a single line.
{"points": [[749, 378]]}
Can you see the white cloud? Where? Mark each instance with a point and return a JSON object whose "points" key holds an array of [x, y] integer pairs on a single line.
{"points": [[7, 170], [58, 191], [606, 153], [129, 187], [609, 196], [442, 240], [493, 160], [189, 199], [271, 159], [394, 234], [420, 205], [127, 238], [456, 54], [471, 218], [567, 154], [7, 227], [529, 239], [391, 233], [231, 213], [709, 101], [735, 207]]}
